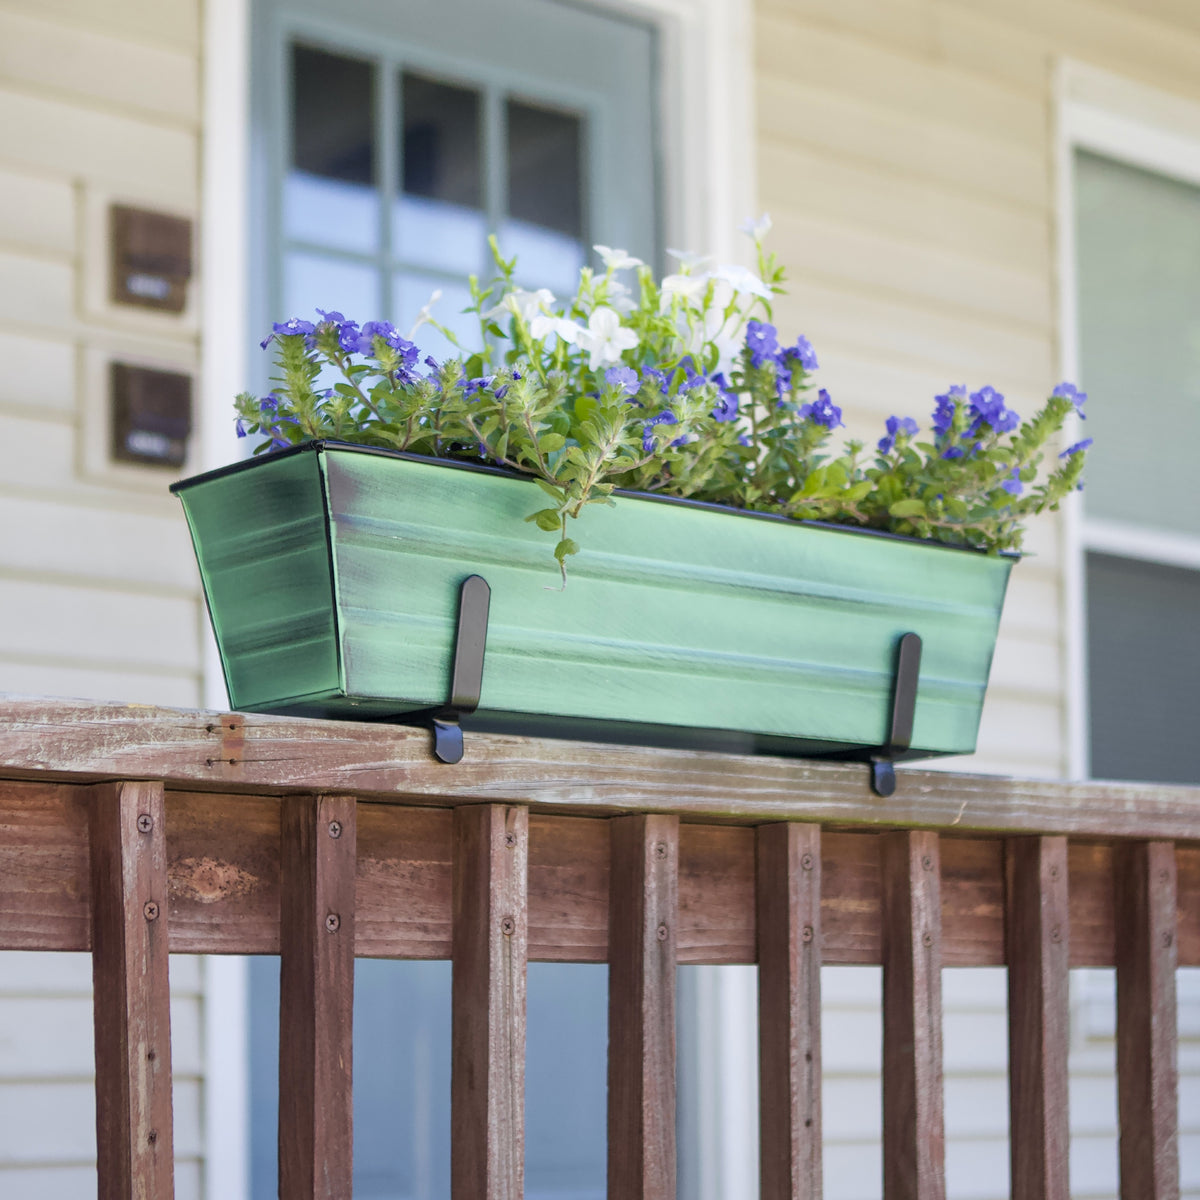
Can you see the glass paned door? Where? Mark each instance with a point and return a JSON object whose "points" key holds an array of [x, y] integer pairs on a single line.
{"points": [[390, 141], [1138, 251]]}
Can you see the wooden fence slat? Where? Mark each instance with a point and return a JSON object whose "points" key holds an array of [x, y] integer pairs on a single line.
{"points": [[131, 992], [1039, 1016], [643, 914], [1147, 1067], [914, 1149], [789, 1010], [490, 948], [316, 997]]}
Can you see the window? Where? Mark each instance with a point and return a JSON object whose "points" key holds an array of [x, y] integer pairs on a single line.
{"points": [[1137, 236]]}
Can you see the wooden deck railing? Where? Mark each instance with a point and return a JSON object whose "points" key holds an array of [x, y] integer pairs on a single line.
{"points": [[133, 832]]}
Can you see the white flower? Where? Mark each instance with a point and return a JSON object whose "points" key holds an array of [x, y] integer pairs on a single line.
{"points": [[426, 314], [743, 281], [620, 296], [605, 339], [686, 286], [543, 325], [757, 229], [617, 260], [521, 303], [687, 259]]}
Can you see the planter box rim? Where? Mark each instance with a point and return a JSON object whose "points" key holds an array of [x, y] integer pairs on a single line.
{"points": [[319, 445]]}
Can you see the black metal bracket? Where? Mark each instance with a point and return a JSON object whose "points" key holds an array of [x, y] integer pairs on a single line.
{"points": [[904, 707], [466, 680]]}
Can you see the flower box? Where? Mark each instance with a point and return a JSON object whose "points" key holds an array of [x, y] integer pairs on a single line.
{"points": [[332, 575]]}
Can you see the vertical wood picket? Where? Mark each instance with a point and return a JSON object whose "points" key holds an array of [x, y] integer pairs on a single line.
{"points": [[490, 947], [316, 997]]}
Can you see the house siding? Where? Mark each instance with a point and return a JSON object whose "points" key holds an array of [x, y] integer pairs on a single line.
{"points": [[98, 102], [906, 154]]}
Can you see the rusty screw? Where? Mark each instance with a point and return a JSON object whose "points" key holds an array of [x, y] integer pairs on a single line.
{"points": [[806, 934], [510, 839], [807, 862], [1056, 934], [333, 922], [927, 862], [508, 927], [927, 939], [662, 933], [660, 849], [1167, 938], [150, 910], [152, 1136], [1053, 872], [145, 823], [335, 829]]}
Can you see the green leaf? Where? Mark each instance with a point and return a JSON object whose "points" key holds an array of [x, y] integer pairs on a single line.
{"points": [[549, 442], [547, 519], [549, 489], [908, 508], [565, 547]]}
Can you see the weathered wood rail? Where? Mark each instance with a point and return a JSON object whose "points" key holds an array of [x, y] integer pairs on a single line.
{"points": [[134, 832]]}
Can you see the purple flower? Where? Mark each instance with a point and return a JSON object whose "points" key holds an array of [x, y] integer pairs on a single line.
{"points": [[666, 417], [431, 362], [334, 316], [240, 426], [478, 384], [762, 341], [801, 352], [823, 411], [744, 440], [1078, 448], [269, 404], [649, 373], [783, 383], [625, 378], [290, 328], [896, 426], [943, 414], [727, 403], [349, 336], [1013, 485], [988, 406], [952, 452], [386, 330], [1070, 392]]}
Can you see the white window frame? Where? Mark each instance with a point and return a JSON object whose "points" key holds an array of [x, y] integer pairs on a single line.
{"points": [[709, 186], [1159, 132]]}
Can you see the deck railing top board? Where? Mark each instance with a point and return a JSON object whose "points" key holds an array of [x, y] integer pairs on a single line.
{"points": [[79, 741]]}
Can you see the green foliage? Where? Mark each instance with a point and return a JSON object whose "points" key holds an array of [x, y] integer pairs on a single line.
{"points": [[678, 387]]}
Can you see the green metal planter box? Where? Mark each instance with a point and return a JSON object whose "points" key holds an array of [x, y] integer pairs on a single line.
{"points": [[332, 574]]}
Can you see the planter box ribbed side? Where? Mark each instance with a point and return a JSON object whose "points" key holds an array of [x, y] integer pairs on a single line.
{"points": [[332, 576]]}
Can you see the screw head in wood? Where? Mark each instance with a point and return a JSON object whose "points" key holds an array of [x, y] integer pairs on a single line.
{"points": [[927, 862], [510, 839], [145, 823], [660, 849], [1167, 938], [1053, 872], [152, 1136], [806, 934], [927, 939], [662, 933], [150, 910], [335, 829], [807, 862], [508, 927], [1056, 934], [333, 922]]}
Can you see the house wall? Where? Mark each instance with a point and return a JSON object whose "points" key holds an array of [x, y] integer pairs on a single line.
{"points": [[906, 152], [98, 101]]}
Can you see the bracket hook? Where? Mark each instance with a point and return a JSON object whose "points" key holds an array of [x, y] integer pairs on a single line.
{"points": [[904, 707], [466, 680]]}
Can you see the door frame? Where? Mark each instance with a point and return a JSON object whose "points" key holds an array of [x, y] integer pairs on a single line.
{"points": [[708, 134]]}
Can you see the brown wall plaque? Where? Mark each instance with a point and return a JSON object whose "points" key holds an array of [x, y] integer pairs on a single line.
{"points": [[151, 415], [151, 258]]}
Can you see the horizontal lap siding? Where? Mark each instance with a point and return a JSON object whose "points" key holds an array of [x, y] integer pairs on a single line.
{"points": [[905, 154], [97, 586]]}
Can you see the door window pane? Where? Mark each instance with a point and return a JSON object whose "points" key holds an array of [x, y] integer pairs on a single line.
{"points": [[330, 196], [1138, 245], [316, 280], [412, 290], [439, 218], [1144, 649], [545, 216]]}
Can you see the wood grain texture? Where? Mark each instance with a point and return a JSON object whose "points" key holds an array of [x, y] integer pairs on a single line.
{"points": [[191, 750], [914, 1138], [789, 1011], [643, 911], [316, 997], [1147, 1050], [131, 992], [1039, 1016], [223, 865], [491, 935]]}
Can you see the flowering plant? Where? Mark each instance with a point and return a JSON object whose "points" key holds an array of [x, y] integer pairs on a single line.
{"points": [[680, 387]]}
